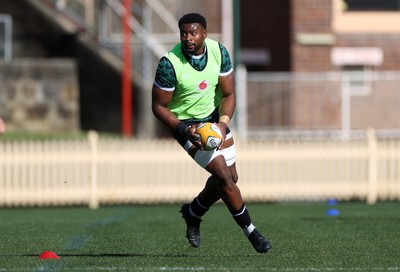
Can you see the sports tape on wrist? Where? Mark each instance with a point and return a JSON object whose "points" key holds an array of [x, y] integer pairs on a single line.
{"points": [[180, 128]]}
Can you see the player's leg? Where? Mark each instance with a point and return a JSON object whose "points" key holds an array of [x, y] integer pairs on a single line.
{"points": [[231, 195], [210, 193], [192, 212], [221, 185]]}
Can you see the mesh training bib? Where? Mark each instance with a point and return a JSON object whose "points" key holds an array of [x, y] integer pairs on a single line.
{"points": [[196, 93]]}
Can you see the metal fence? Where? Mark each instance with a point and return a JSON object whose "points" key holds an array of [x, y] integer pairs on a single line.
{"points": [[328, 104], [334, 104], [111, 171]]}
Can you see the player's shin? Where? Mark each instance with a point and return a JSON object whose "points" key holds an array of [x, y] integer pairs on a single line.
{"points": [[197, 208], [242, 218]]}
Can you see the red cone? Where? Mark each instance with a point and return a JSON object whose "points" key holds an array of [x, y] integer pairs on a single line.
{"points": [[48, 255]]}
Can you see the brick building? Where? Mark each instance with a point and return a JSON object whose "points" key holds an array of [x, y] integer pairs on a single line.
{"points": [[324, 36], [275, 36], [320, 35]]}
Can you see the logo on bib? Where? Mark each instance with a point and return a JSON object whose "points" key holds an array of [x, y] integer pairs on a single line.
{"points": [[202, 86]]}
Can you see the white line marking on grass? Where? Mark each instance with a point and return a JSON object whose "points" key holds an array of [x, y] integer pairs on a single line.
{"points": [[77, 242], [213, 269], [167, 268], [50, 266]]}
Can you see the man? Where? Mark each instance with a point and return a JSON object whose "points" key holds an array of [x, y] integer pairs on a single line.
{"points": [[194, 83]]}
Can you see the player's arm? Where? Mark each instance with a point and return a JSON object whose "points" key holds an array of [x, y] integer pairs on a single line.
{"points": [[228, 101], [159, 106], [160, 102], [226, 82], [162, 92]]}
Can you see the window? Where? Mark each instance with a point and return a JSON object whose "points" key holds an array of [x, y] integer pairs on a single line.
{"points": [[366, 16], [372, 5]]}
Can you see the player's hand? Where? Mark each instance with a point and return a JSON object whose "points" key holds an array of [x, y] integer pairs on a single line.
{"points": [[193, 137]]}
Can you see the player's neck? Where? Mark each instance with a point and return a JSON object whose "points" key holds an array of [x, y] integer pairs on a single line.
{"points": [[197, 56]]}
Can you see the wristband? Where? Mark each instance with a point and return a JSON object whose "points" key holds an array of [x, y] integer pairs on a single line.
{"points": [[225, 119], [180, 128]]}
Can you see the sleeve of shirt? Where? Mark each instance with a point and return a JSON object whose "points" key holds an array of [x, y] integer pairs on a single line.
{"points": [[226, 63], [165, 78]]}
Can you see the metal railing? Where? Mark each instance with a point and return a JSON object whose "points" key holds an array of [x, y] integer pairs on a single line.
{"points": [[154, 26], [325, 104]]}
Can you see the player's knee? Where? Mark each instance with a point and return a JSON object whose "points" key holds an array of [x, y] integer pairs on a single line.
{"points": [[235, 178], [225, 177], [227, 186]]}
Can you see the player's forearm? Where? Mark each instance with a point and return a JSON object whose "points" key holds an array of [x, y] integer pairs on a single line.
{"points": [[227, 106], [165, 116]]}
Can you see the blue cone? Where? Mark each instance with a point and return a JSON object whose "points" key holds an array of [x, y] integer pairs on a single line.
{"points": [[332, 212]]}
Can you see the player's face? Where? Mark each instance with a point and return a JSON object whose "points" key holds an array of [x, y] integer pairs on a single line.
{"points": [[192, 38]]}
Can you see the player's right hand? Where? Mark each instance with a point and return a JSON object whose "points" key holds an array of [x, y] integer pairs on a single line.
{"points": [[193, 137]]}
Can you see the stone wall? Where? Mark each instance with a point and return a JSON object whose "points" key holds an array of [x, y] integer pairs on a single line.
{"points": [[40, 95]]}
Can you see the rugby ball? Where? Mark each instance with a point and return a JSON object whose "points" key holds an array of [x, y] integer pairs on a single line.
{"points": [[210, 136]]}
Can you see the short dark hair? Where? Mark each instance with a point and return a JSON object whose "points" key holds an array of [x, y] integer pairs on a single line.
{"points": [[193, 18]]}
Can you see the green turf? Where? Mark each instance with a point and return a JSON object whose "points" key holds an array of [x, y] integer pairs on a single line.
{"points": [[151, 238], [37, 136]]}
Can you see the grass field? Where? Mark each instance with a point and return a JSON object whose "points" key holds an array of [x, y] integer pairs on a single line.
{"points": [[151, 238]]}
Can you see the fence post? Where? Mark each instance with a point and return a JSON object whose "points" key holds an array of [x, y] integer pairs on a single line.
{"points": [[93, 140], [241, 115], [372, 167]]}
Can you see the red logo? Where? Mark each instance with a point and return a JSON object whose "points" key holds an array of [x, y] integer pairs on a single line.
{"points": [[203, 85]]}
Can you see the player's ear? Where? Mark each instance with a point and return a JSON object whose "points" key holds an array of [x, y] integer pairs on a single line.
{"points": [[205, 33]]}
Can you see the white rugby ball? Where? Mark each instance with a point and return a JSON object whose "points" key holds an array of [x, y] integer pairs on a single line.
{"points": [[210, 136]]}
